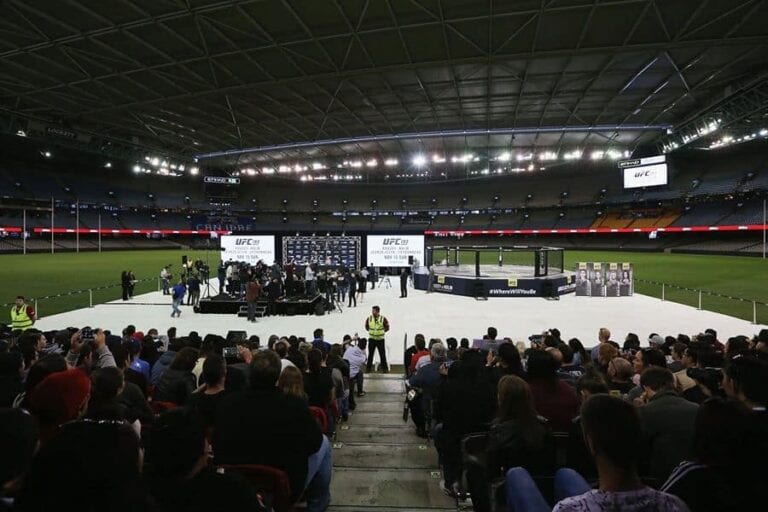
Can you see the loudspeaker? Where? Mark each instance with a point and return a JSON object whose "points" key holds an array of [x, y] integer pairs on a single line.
{"points": [[410, 260]]}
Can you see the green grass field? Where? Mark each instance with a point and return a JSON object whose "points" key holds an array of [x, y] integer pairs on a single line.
{"points": [[39, 275]]}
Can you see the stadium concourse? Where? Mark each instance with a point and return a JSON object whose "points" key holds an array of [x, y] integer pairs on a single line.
{"points": [[435, 315]]}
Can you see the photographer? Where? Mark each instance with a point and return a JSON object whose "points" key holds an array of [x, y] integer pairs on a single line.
{"points": [[102, 357], [165, 278]]}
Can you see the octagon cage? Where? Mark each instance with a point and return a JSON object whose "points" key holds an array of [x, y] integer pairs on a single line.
{"points": [[489, 261]]}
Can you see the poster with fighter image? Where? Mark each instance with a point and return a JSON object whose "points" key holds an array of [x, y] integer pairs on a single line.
{"points": [[597, 280], [248, 248], [582, 279], [612, 280], [394, 250], [626, 280]]}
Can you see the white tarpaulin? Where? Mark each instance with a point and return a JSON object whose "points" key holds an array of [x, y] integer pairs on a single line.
{"points": [[394, 250]]}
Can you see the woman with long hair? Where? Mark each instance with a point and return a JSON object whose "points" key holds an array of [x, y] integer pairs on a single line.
{"points": [[291, 382], [580, 355], [518, 437]]}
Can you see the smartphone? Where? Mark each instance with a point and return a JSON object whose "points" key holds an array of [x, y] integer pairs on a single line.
{"points": [[229, 352], [86, 334]]}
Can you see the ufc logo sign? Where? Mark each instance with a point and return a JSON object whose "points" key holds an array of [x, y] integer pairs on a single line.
{"points": [[395, 241]]}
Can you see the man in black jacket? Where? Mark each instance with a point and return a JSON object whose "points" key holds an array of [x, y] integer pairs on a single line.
{"points": [[262, 425]]}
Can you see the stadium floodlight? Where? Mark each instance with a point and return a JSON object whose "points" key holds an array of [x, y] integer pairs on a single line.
{"points": [[504, 157], [597, 155], [47, 154], [613, 154], [523, 157], [164, 163], [136, 169], [356, 164], [573, 155], [283, 169], [531, 167], [155, 161], [267, 170], [438, 159], [21, 133], [317, 166], [390, 162], [419, 160], [108, 165], [372, 163], [547, 155], [193, 171]]}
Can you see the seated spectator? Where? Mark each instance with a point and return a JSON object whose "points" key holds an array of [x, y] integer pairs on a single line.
{"points": [[605, 353], [102, 357], [131, 398], [92, 465], [668, 422], [736, 345], [291, 382], [676, 356], [125, 357], [355, 356], [453, 345], [591, 383], [11, 370], [241, 363], [340, 374], [179, 476], [466, 404], [719, 476], [620, 376], [426, 359], [207, 398], [165, 360], [746, 380], [644, 359], [631, 343], [553, 399], [580, 355], [106, 385], [178, 382], [697, 355], [50, 364], [518, 437], [603, 337], [568, 369], [319, 343], [281, 348], [424, 384], [206, 348], [59, 398], [761, 341], [615, 448], [507, 362], [420, 345], [288, 424], [134, 347], [18, 443], [318, 381]]}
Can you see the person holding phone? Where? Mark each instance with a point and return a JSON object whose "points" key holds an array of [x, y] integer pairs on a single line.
{"points": [[97, 339]]}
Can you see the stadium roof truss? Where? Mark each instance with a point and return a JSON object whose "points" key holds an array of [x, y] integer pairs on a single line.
{"points": [[193, 77]]}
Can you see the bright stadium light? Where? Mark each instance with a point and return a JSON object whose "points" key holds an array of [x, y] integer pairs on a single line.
{"points": [[47, 154], [390, 162], [356, 164], [193, 171], [438, 159], [267, 170], [317, 166], [763, 133], [155, 161], [596, 155], [108, 165], [504, 157], [547, 156], [573, 155], [372, 163], [419, 160]]}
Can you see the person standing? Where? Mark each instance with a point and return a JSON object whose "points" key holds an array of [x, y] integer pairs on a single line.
{"points": [[124, 283], [431, 281], [131, 283], [193, 284], [178, 296], [165, 278], [403, 283], [309, 279], [361, 285], [221, 273], [377, 326], [252, 294], [22, 315], [349, 277]]}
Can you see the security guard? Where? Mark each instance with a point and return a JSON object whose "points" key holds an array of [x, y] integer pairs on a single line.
{"points": [[22, 315], [377, 326]]}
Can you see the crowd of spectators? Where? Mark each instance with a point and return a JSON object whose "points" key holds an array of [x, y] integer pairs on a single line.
{"points": [[142, 421], [678, 425]]}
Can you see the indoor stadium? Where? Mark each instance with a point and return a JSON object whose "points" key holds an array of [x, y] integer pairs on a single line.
{"points": [[383, 255]]}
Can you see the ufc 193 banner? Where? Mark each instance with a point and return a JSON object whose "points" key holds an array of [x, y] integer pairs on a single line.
{"points": [[395, 250], [248, 248], [597, 279]]}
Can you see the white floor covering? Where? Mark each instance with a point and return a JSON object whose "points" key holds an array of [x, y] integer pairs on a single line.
{"points": [[434, 315]]}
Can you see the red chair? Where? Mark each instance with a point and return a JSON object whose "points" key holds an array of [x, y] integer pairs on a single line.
{"points": [[271, 483], [161, 407], [321, 418]]}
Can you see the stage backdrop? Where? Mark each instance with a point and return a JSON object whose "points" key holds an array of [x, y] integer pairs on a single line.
{"points": [[248, 248], [331, 251], [394, 250], [597, 279]]}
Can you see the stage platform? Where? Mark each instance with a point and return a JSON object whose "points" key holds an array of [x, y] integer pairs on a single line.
{"points": [[495, 281], [224, 304]]}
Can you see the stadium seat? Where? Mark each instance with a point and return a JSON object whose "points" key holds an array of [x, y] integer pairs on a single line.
{"points": [[269, 482]]}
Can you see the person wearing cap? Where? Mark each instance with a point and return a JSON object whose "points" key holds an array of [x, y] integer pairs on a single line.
{"points": [[134, 346], [22, 315], [59, 398]]}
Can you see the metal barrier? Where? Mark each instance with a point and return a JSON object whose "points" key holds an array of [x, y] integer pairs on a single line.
{"points": [[748, 309], [75, 299]]}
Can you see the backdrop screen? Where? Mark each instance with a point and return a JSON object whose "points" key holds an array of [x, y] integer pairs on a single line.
{"points": [[329, 251], [248, 248], [394, 250]]}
